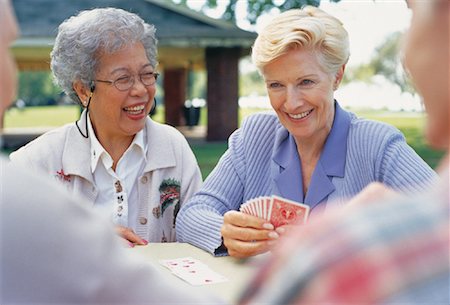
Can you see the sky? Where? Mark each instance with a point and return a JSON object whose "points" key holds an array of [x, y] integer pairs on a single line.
{"points": [[368, 22]]}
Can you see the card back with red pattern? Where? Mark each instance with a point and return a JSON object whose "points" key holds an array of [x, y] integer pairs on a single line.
{"points": [[285, 211]]}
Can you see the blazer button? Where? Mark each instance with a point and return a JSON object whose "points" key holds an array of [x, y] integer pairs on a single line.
{"points": [[144, 179], [142, 220]]}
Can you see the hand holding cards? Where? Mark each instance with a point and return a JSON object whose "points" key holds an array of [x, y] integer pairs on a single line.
{"points": [[279, 211]]}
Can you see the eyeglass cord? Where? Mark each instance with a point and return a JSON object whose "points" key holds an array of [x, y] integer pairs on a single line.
{"points": [[86, 120]]}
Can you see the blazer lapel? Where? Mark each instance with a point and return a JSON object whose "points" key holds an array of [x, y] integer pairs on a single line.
{"points": [[286, 169], [320, 186], [286, 166], [332, 160], [288, 180]]}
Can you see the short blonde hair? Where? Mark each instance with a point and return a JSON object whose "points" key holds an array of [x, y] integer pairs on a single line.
{"points": [[309, 28]]}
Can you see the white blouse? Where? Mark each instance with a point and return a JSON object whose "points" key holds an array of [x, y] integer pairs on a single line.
{"points": [[116, 195]]}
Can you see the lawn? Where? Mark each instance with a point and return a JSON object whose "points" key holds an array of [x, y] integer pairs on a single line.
{"points": [[411, 124], [44, 116]]}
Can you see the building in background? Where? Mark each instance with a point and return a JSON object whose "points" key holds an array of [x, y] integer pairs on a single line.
{"points": [[188, 41]]}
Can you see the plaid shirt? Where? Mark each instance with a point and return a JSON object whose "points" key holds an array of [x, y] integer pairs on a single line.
{"points": [[387, 253]]}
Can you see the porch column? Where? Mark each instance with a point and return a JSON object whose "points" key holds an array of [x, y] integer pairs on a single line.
{"points": [[174, 95], [222, 92]]}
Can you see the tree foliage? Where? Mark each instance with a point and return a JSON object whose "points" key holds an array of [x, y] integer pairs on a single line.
{"points": [[386, 61], [256, 8], [37, 88]]}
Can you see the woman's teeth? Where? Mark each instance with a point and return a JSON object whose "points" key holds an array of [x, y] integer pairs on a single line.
{"points": [[134, 109], [300, 115]]}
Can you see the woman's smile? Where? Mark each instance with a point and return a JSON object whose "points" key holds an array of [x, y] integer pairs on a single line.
{"points": [[135, 112], [300, 115]]}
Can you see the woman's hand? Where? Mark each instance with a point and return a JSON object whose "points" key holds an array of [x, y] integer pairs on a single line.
{"points": [[129, 236], [246, 235]]}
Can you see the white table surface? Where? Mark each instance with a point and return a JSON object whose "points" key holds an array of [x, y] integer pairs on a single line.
{"points": [[238, 272]]}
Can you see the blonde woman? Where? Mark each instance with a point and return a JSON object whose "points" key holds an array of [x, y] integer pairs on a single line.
{"points": [[311, 151], [394, 251]]}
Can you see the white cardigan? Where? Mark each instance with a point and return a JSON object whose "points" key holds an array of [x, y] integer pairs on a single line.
{"points": [[170, 177]]}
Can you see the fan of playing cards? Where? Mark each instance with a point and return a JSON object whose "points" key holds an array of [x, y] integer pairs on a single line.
{"points": [[279, 211]]}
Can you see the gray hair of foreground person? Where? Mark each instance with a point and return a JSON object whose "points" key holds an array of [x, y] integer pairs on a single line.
{"points": [[309, 28], [83, 38]]}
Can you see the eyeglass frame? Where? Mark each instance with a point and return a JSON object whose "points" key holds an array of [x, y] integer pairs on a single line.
{"points": [[132, 80]]}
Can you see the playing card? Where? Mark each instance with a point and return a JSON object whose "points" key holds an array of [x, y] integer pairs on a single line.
{"points": [[258, 207], [245, 209], [193, 271], [200, 276], [173, 264], [286, 211], [252, 205], [268, 204], [264, 207]]}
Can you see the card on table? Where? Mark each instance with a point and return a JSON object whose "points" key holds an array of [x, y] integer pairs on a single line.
{"points": [[193, 271], [279, 211]]}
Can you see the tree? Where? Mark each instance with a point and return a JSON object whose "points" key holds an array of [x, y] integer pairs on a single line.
{"points": [[256, 8], [386, 61], [37, 88]]}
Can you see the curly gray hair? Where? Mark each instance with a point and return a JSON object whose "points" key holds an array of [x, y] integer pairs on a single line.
{"points": [[82, 38]]}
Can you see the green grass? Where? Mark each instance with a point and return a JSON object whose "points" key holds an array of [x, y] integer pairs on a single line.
{"points": [[208, 154], [411, 124], [43, 116]]}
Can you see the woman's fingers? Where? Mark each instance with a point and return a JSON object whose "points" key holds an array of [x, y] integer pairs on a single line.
{"points": [[129, 235], [240, 219], [246, 235], [241, 249]]}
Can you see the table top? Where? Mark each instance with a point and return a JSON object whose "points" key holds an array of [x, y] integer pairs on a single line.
{"points": [[237, 271]]}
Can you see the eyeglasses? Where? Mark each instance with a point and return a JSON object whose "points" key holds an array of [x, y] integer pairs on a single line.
{"points": [[124, 83]]}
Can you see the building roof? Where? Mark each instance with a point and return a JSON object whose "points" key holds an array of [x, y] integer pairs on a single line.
{"points": [[176, 26]]}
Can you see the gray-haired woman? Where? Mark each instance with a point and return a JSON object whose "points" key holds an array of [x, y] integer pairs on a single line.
{"points": [[115, 157]]}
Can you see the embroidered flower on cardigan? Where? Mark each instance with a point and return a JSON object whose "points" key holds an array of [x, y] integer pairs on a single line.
{"points": [[63, 176], [169, 194]]}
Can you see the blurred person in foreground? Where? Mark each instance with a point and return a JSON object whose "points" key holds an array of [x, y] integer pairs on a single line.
{"points": [[53, 249], [115, 157], [312, 151], [394, 251]]}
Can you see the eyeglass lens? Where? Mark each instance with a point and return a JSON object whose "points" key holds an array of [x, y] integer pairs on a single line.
{"points": [[126, 82]]}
